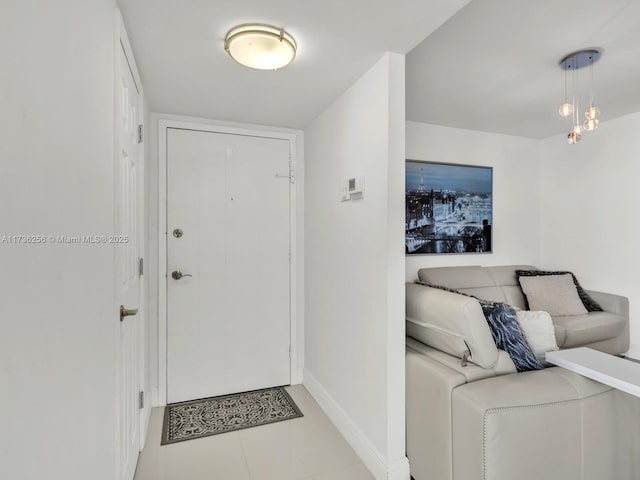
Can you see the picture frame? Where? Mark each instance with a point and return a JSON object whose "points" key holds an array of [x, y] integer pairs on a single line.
{"points": [[448, 208]]}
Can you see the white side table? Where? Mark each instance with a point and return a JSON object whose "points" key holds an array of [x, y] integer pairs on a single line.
{"points": [[601, 367]]}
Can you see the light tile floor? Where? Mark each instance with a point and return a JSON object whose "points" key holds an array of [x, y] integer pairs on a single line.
{"points": [[308, 448]]}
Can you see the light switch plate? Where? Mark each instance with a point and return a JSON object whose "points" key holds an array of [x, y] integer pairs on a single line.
{"points": [[352, 188]]}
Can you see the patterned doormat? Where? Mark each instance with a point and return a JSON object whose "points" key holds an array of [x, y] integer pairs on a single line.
{"points": [[210, 416]]}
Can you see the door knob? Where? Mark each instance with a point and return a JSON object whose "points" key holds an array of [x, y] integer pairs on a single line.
{"points": [[125, 312], [177, 275]]}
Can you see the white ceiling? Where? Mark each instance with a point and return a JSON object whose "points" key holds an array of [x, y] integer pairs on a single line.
{"points": [[179, 51], [494, 65]]}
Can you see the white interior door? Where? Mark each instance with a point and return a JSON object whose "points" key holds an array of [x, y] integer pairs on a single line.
{"points": [[126, 242], [228, 322]]}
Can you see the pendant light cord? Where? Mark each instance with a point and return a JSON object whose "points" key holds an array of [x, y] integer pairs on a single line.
{"points": [[574, 101], [591, 92]]}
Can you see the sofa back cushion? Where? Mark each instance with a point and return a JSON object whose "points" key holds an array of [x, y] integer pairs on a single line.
{"points": [[496, 284], [451, 323], [472, 276]]}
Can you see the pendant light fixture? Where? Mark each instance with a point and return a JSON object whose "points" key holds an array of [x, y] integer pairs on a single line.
{"points": [[566, 108], [259, 46], [571, 64]]}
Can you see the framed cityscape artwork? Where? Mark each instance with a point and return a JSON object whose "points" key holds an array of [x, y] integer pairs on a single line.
{"points": [[449, 208]]}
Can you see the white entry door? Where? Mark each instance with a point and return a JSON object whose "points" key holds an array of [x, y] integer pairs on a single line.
{"points": [[228, 263], [126, 240]]}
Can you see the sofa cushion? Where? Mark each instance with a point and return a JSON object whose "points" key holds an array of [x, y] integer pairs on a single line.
{"points": [[456, 277], [505, 330], [549, 424], [513, 296], [491, 294], [589, 303], [496, 284], [578, 330], [449, 322], [506, 274], [560, 333], [470, 372], [556, 294]]}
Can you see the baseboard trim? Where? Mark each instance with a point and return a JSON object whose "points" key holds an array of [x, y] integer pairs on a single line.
{"points": [[399, 469], [356, 438], [297, 376], [146, 419]]}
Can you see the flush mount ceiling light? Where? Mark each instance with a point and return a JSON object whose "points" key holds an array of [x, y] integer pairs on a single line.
{"points": [[260, 46], [572, 63]]}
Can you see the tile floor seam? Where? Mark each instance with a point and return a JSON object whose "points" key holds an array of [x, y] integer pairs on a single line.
{"points": [[244, 456], [326, 472]]}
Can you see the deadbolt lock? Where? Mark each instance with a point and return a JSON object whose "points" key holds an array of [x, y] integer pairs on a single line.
{"points": [[177, 233]]}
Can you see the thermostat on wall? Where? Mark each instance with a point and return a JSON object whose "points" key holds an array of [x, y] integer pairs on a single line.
{"points": [[352, 188]]}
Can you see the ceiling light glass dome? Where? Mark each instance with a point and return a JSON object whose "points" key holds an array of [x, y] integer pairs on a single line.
{"points": [[259, 46]]}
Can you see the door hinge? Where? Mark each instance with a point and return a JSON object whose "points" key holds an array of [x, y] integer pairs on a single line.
{"points": [[141, 400], [141, 266], [140, 133], [292, 174]]}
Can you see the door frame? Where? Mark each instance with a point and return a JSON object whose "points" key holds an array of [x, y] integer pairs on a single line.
{"points": [[121, 41], [163, 126]]}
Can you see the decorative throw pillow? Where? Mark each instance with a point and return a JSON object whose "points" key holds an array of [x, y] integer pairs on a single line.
{"points": [[505, 329], [589, 303], [555, 294], [538, 329], [509, 337]]}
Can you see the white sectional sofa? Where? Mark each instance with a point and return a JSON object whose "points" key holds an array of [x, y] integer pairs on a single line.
{"points": [[485, 420]]}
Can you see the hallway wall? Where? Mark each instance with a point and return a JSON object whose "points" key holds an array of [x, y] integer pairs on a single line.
{"points": [[57, 352], [354, 316]]}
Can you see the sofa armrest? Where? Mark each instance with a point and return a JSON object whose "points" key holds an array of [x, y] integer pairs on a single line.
{"points": [[611, 303], [451, 323]]}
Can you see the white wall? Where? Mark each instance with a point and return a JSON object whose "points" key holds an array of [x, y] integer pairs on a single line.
{"points": [[354, 318], [153, 200], [516, 197], [57, 313], [589, 209]]}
